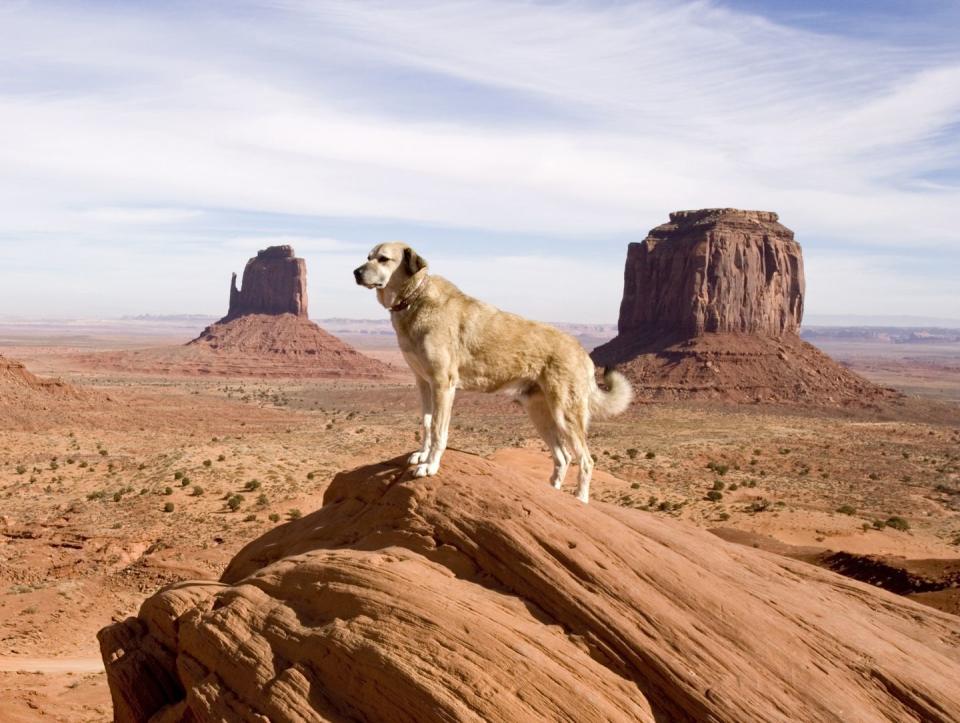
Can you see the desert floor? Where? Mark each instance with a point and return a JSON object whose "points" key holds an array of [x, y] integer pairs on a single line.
{"points": [[164, 479]]}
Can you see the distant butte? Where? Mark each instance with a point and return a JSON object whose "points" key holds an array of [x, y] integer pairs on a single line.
{"points": [[267, 328], [266, 333], [712, 305], [274, 282]]}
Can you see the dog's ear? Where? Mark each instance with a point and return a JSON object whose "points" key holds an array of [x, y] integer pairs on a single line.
{"points": [[413, 261]]}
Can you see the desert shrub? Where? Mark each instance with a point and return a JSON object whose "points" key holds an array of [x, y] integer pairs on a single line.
{"points": [[650, 455], [759, 506], [846, 510], [718, 485], [21, 469], [252, 485], [222, 458], [168, 507], [635, 486], [865, 526], [168, 490], [178, 475], [723, 516], [897, 523], [207, 463], [197, 491], [733, 487], [70, 460], [97, 495], [663, 506], [720, 469], [906, 455], [879, 524], [651, 501], [250, 518], [262, 499], [83, 463], [311, 475], [104, 453], [234, 502], [294, 514], [117, 496], [714, 495], [273, 517], [873, 476], [633, 452], [185, 481], [784, 450]]}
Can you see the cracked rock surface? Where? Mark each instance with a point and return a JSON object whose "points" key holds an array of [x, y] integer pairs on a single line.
{"points": [[483, 594]]}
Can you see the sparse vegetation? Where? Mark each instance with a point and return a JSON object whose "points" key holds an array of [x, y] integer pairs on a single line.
{"points": [[234, 502], [897, 523], [714, 495], [252, 485], [294, 514], [846, 510], [168, 507]]}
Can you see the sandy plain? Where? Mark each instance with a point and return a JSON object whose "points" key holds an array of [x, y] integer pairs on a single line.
{"points": [[163, 479]]}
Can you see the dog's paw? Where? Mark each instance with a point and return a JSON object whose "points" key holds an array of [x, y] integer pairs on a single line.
{"points": [[584, 497], [556, 483], [426, 469], [418, 457]]}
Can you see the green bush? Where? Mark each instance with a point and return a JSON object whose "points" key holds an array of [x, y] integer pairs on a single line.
{"points": [[273, 517], [197, 491], [294, 514], [168, 507], [252, 485], [846, 510], [897, 523], [718, 485], [168, 491], [633, 452], [234, 502], [714, 495]]}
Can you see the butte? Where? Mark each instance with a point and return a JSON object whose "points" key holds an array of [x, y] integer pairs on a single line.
{"points": [[267, 328], [711, 309]]}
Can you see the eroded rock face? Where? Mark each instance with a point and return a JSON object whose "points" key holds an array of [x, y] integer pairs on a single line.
{"points": [[714, 270], [274, 282], [712, 303], [482, 594]]}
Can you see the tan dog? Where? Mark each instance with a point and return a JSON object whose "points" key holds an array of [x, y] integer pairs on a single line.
{"points": [[451, 340]]}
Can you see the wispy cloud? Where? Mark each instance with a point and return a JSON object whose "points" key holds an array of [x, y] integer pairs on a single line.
{"points": [[571, 122]]}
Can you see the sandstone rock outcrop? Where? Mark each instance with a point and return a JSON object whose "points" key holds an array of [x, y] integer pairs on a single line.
{"points": [[714, 270], [274, 282], [481, 594], [712, 305]]}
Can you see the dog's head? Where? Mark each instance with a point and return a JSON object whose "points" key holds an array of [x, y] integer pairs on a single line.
{"points": [[388, 266]]}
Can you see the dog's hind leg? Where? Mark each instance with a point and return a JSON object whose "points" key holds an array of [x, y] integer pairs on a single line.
{"points": [[536, 405], [442, 397], [426, 409], [575, 432]]}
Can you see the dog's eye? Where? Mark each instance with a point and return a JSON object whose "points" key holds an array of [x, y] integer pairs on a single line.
{"points": [[383, 259]]}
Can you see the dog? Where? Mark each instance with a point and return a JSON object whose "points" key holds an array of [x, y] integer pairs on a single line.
{"points": [[451, 340]]}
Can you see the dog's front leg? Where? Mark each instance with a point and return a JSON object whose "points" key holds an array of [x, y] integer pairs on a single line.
{"points": [[426, 409], [442, 394]]}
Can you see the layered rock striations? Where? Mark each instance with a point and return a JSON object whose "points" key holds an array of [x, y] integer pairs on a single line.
{"points": [[274, 282], [712, 305], [480, 594]]}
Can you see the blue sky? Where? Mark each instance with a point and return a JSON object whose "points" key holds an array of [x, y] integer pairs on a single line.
{"points": [[148, 149]]}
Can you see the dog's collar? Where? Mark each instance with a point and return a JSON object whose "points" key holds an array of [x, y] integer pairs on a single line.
{"points": [[405, 302]]}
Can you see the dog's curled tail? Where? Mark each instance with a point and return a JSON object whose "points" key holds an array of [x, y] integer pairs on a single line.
{"points": [[616, 399]]}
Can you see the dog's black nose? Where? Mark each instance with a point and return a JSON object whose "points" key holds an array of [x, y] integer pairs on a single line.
{"points": [[358, 274]]}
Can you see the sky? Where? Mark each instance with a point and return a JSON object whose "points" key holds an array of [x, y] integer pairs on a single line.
{"points": [[148, 149]]}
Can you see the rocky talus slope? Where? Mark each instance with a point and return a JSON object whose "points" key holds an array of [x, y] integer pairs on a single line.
{"points": [[483, 594]]}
